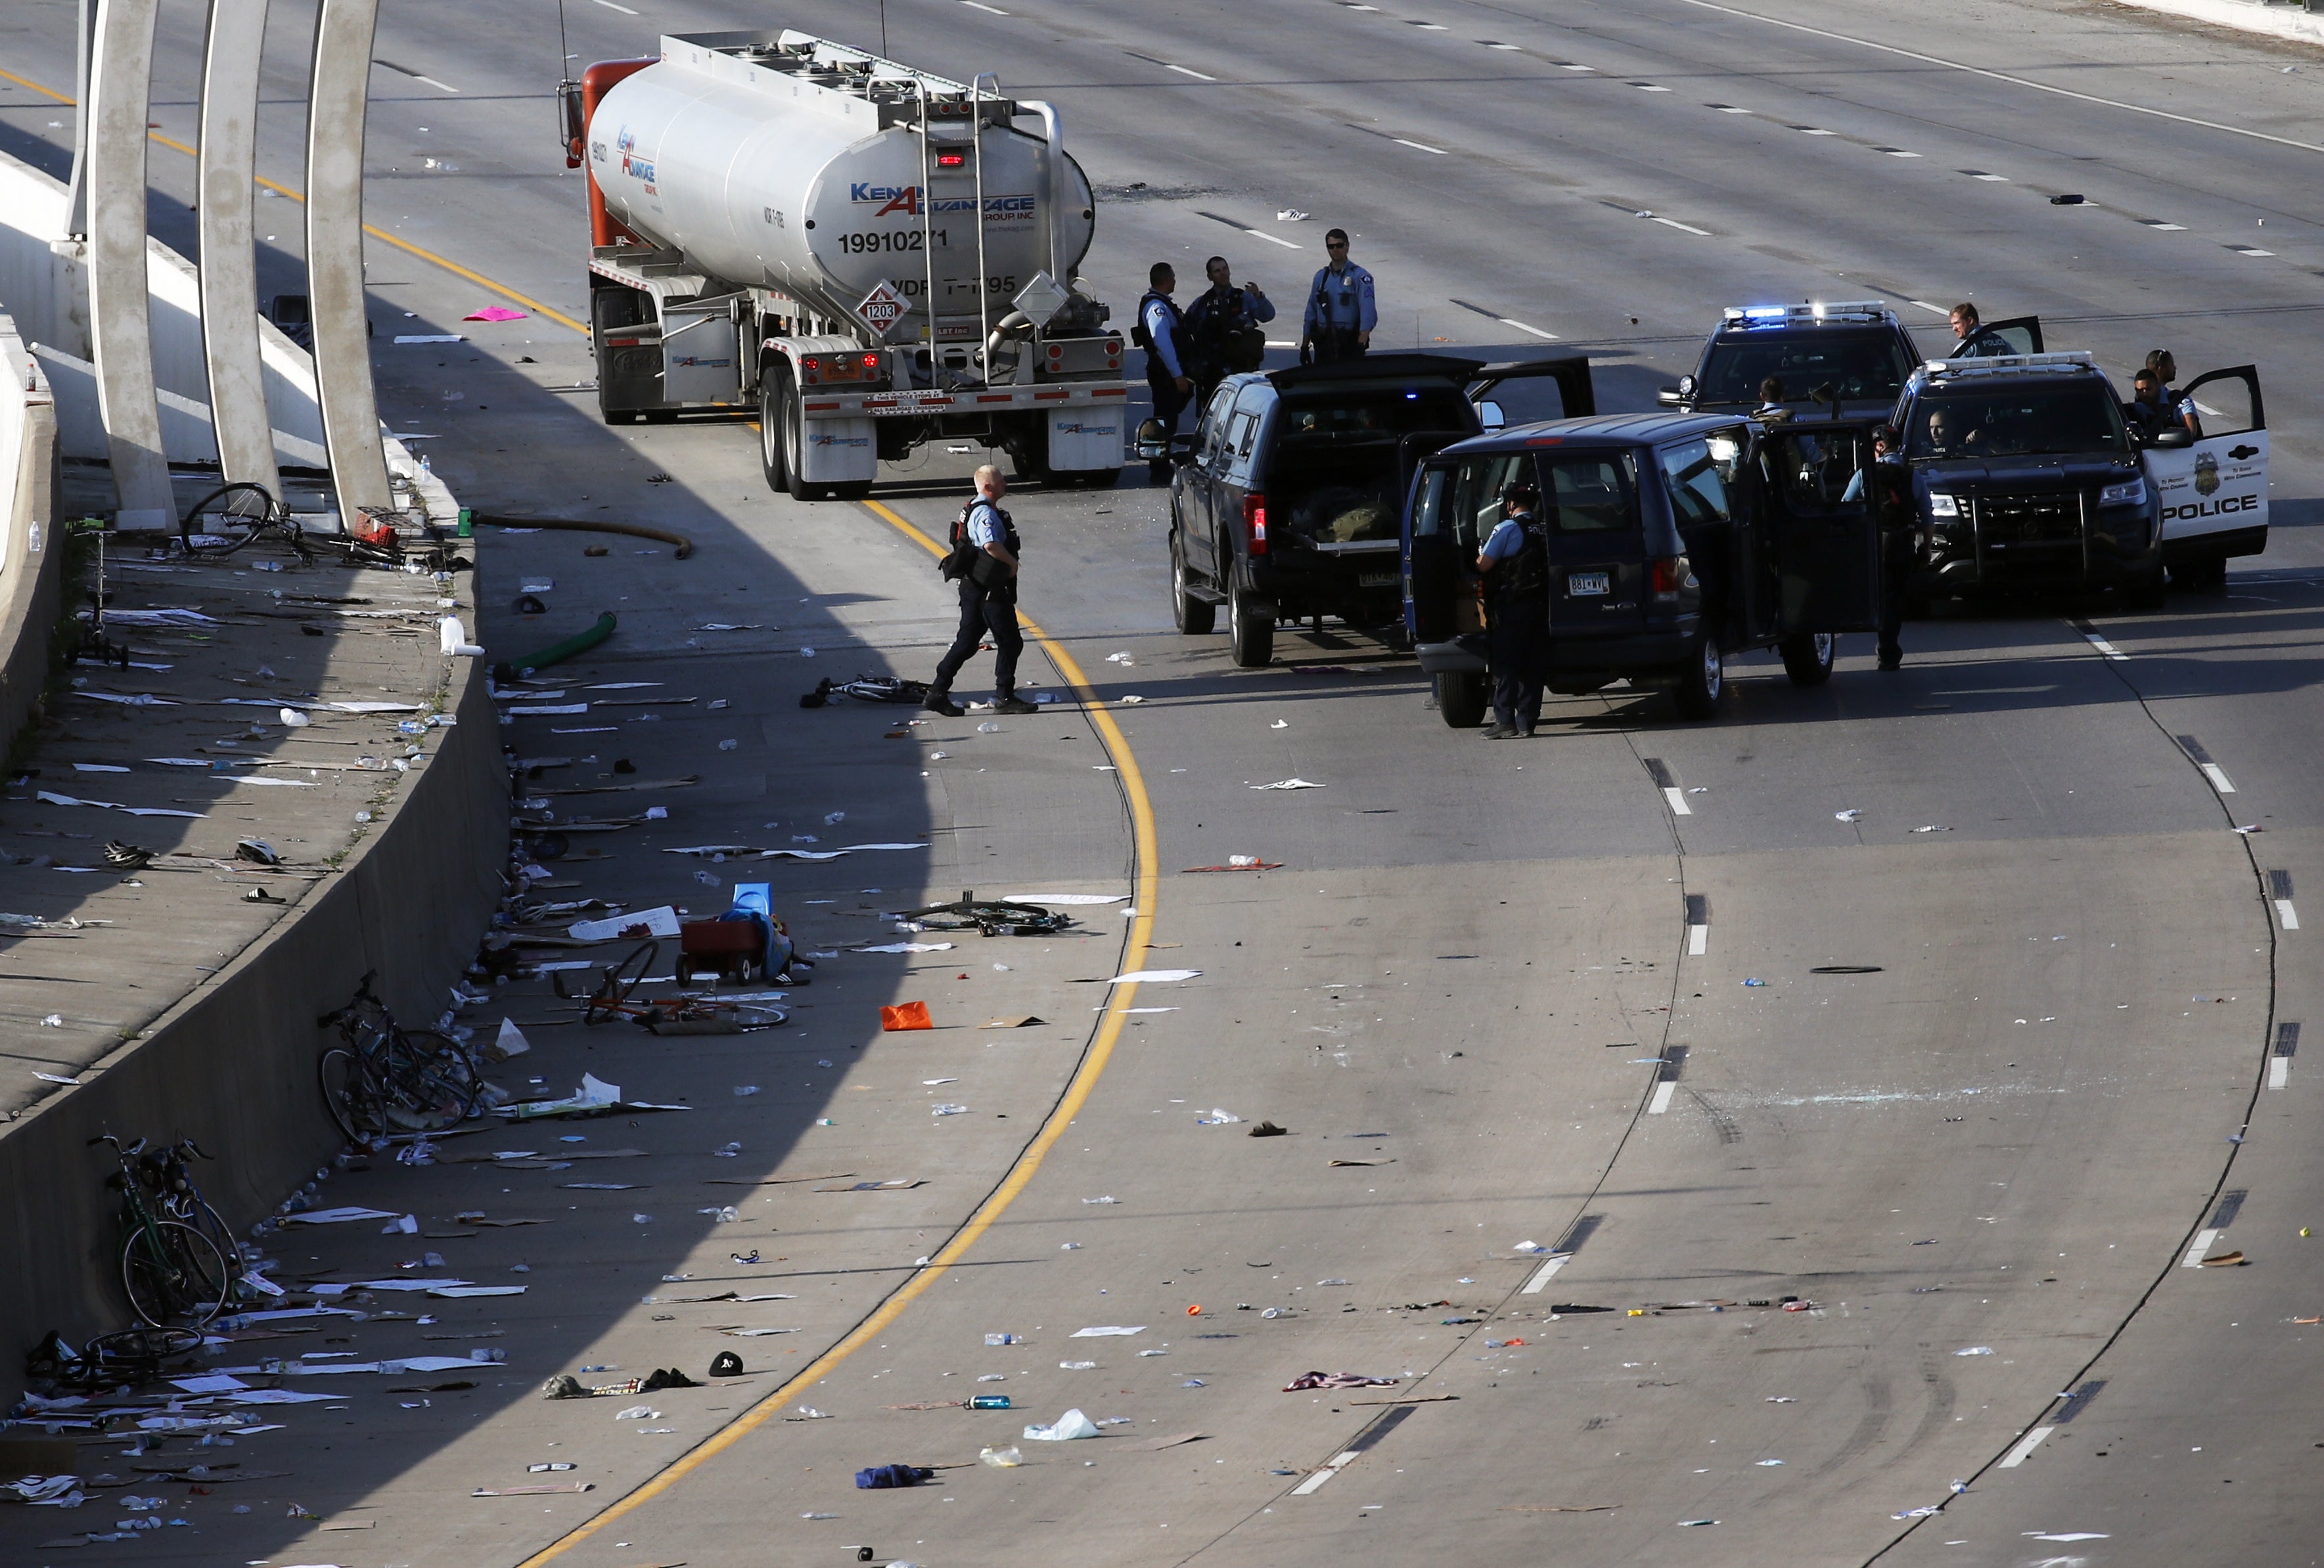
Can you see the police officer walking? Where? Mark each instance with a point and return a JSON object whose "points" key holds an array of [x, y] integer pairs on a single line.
{"points": [[1169, 356], [984, 558], [1224, 324], [1515, 563], [1341, 313]]}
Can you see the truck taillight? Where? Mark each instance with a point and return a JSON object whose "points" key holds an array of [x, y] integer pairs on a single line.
{"points": [[1666, 575], [951, 160], [810, 369], [1254, 523]]}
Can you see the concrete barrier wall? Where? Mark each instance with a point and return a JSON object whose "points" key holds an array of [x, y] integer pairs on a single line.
{"points": [[28, 554], [232, 1066]]}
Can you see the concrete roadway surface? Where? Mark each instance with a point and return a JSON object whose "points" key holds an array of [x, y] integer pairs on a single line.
{"points": [[2010, 1064]]}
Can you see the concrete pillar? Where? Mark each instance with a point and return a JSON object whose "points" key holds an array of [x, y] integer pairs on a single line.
{"points": [[229, 265], [121, 70], [334, 240]]}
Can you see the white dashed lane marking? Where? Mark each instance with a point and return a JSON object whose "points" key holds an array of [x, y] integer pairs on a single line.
{"points": [[1545, 1273], [2090, 635], [1315, 1483], [2025, 1447], [1507, 320], [2279, 887], [1420, 146], [1698, 924], [1667, 782], [2279, 1065], [2202, 759]]}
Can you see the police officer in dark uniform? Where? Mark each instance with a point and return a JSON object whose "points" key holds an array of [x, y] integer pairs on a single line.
{"points": [[1893, 516], [1223, 323], [1515, 563], [1169, 356], [985, 556]]}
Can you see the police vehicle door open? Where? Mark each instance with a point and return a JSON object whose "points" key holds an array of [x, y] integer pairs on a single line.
{"points": [[2214, 494], [2018, 335], [1818, 476]]}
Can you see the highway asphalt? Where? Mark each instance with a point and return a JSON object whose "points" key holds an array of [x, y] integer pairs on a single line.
{"points": [[1979, 1039]]}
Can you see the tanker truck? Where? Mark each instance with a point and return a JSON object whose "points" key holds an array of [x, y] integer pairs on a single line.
{"points": [[867, 256]]}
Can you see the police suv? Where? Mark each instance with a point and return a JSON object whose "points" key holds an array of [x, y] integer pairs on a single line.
{"points": [[1855, 353], [2022, 472]]}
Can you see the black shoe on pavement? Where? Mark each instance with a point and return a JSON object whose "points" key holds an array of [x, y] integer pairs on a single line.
{"points": [[1015, 704], [1500, 732], [940, 702], [1892, 661]]}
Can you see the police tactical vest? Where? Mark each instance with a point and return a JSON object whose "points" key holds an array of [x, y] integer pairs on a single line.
{"points": [[1178, 338], [1523, 578]]}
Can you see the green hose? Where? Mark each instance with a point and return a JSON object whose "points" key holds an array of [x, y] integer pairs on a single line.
{"points": [[556, 652]]}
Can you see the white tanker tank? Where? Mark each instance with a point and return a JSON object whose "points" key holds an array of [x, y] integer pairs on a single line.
{"points": [[870, 255]]}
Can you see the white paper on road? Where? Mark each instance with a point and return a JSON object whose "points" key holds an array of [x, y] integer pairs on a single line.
{"points": [[458, 1292], [1289, 784], [907, 947], [843, 848], [1105, 1333], [1154, 976], [337, 1216], [399, 1284], [279, 1396], [657, 922], [800, 853], [1064, 897], [211, 1383]]}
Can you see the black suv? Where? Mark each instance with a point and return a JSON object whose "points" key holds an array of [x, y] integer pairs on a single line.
{"points": [[1674, 539], [1288, 503], [1855, 352], [2022, 473]]}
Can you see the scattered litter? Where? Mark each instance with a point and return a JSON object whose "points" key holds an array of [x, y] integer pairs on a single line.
{"points": [[1976, 1350], [1336, 1380], [1289, 784], [1290, 215], [1217, 1118], [948, 1109], [910, 1015], [1008, 1458], [1852, 814], [1071, 1424], [1153, 976], [1932, 827], [881, 1476], [495, 313], [1754, 983], [1092, 1333]]}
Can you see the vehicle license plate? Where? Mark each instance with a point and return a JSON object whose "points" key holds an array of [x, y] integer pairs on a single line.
{"points": [[1376, 579], [1582, 584]]}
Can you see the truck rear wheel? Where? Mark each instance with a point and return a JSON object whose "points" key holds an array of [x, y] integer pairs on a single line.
{"points": [[794, 447], [1702, 683], [1460, 698], [1195, 617], [1807, 657], [1250, 623], [773, 389]]}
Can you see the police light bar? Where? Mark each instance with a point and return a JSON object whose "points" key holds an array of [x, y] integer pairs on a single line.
{"points": [[1810, 311], [2008, 364]]}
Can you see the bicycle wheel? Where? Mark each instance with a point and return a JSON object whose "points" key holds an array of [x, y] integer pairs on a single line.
{"points": [[348, 1091], [135, 1355], [234, 513], [430, 1081], [173, 1271]]}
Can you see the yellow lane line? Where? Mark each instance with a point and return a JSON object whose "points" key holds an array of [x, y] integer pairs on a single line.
{"points": [[454, 268], [1148, 885]]}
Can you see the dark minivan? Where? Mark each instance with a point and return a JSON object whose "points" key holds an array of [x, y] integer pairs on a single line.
{"points": [[1674, 539], [1288, 505]]}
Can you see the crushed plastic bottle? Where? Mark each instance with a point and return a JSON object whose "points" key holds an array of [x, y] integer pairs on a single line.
{"points": [[1008, 1458]]}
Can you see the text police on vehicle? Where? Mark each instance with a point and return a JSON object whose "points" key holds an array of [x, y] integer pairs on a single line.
{"points": [[1855, 352]]}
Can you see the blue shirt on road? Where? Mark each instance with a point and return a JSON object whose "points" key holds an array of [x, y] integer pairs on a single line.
{"points": [[1341, 300]]}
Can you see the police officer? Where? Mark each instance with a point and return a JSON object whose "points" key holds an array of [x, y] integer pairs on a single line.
{"points": [[2182, 407], [1515, 563], [1169, 356], [1893, 515], [1340, 314], [988, 548], [1966, 327], [1220, 314]]}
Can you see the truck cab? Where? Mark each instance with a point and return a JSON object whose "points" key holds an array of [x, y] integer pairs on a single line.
{"points": [[1286, 505], [1854, 353], [1674, 540]]}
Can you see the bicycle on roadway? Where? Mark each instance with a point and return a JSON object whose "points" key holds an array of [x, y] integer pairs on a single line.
{"points": [[171, 1269], [383, 1079]]}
